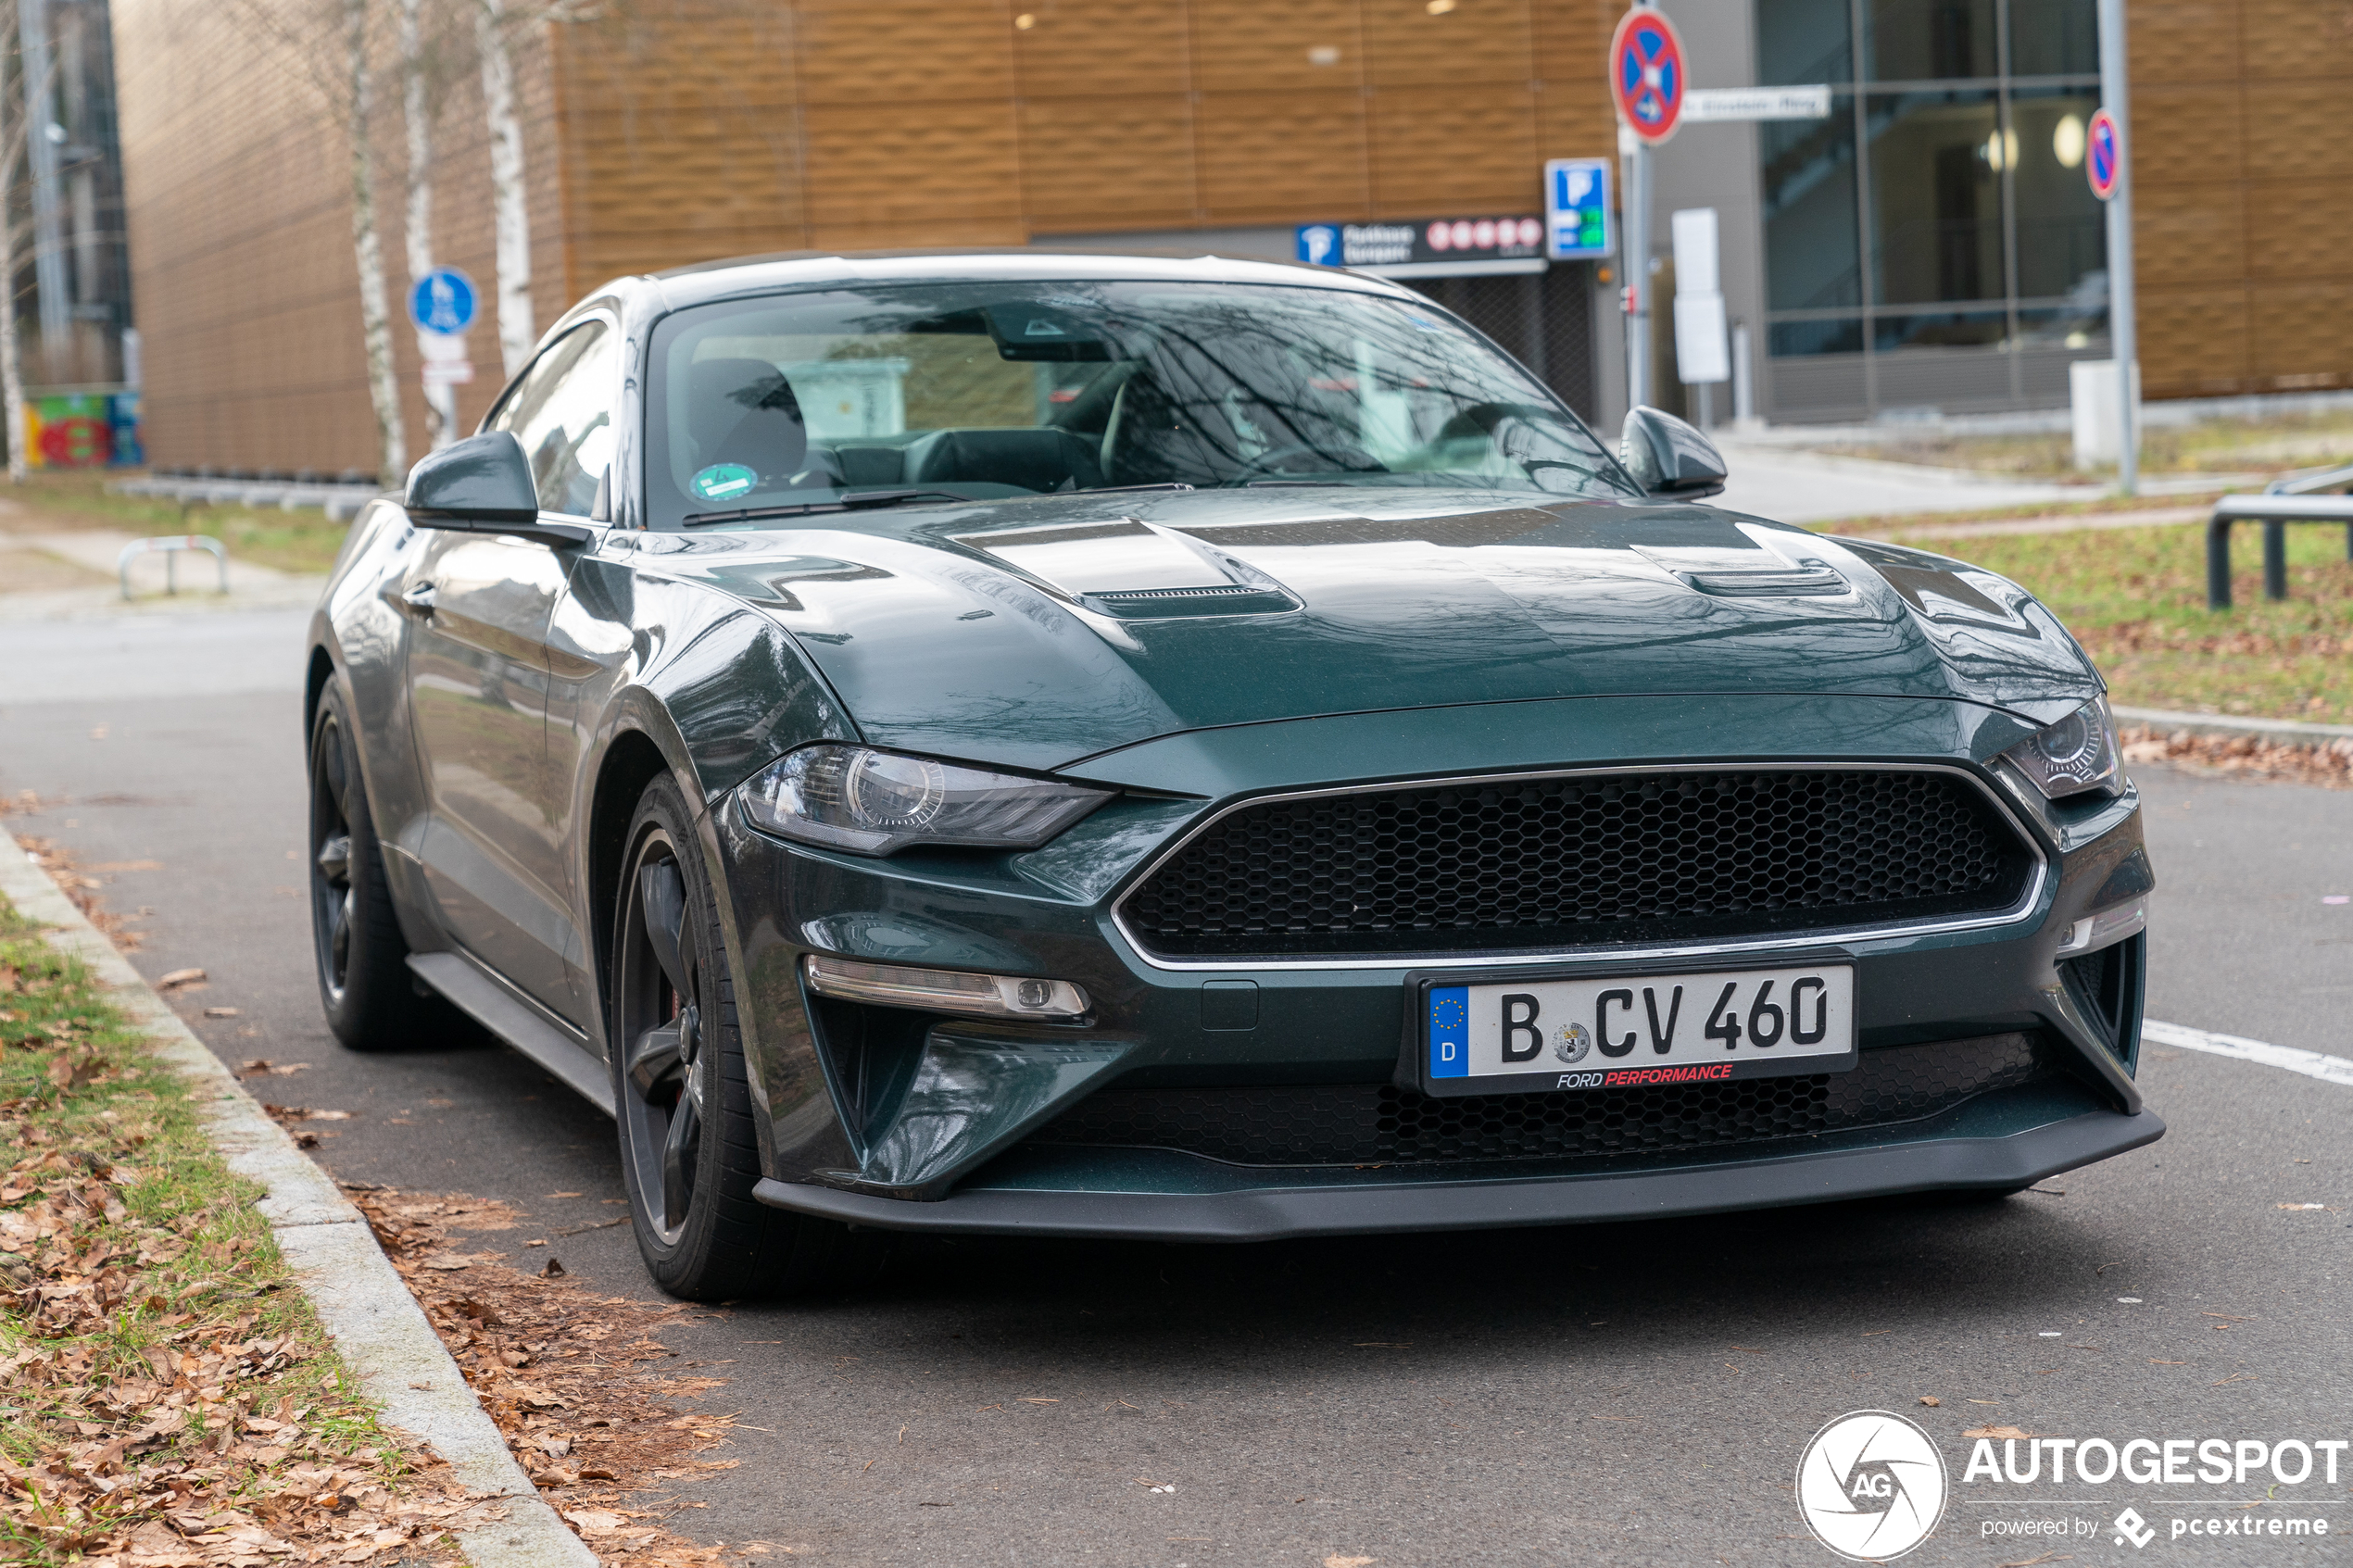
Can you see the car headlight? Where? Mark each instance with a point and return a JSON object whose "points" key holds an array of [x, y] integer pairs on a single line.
{"points": [[2078, 753], [876, 802]]}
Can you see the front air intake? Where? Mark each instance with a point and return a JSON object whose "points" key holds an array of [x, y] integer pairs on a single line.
{"points": [[1537, 864]]}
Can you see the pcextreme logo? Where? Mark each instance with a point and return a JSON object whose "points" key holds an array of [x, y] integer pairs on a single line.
{"points": [[1871, 1486]]}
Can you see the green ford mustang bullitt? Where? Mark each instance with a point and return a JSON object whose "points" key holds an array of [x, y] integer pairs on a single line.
{"points": [[1097, 746]]}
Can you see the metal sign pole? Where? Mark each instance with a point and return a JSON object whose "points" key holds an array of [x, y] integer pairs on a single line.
{"points": [[2123, 337], [1637, 279]]}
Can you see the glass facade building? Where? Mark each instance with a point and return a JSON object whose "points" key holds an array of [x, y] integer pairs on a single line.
{"points": [[1941, 207]]}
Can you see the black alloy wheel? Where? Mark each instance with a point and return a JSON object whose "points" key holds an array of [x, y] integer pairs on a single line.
{"points": [[689, 1151], [370, 999], [664, 1072]]}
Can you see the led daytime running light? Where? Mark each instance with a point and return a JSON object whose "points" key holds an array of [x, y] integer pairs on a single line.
{"points": [[944, 990]]}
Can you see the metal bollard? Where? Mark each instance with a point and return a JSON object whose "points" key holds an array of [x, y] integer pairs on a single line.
{"points": [[172, 546], [2218, 563]]}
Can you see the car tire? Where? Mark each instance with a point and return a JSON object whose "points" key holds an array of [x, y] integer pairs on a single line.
{"points": [[369, 997], [689, 1150]]}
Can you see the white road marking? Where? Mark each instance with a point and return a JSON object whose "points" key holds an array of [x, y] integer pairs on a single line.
{"points": [[2312, 1065]]}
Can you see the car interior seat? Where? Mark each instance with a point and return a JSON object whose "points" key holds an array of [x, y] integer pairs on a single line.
{"points": [[743, 410], [1147, 440]]}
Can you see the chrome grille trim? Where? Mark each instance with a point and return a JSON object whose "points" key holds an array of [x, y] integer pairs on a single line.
{"points": [[2022, 909]]}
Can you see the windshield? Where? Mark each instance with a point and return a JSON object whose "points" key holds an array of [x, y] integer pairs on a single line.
{"points": [[991, 390]]}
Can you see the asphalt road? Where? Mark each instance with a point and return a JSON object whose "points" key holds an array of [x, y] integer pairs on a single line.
{"points": [[1635, 1393]]}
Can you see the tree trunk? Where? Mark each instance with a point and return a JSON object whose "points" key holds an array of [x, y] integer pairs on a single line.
{"points": [[12, 146], [375, 311], [416, 110], [510, 202]]}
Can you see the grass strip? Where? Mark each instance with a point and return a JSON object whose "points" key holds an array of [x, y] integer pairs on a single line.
{"points": [[304, 540], [169, 1399], [2307, 440]]}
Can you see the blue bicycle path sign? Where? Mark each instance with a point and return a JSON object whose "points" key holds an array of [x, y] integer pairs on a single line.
{"points": [[443, 302]]}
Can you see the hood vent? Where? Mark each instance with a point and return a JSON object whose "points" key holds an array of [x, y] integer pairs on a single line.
{"points": [[1237, 598], [1781, 584]]}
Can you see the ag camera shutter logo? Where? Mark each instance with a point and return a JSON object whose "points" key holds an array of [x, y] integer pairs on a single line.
{"points": [[1871, 1486]]}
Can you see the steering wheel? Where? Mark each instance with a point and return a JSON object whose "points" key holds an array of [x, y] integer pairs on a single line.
{"points": [[1346, 459]]}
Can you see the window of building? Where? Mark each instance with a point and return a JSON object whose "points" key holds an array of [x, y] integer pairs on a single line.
{"points": [[1942, 205]]}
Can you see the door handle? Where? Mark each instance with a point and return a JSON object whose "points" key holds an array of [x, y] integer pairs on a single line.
{"points": [[418, 599]]}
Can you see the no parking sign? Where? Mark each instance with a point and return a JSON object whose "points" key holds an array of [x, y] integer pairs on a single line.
{"points": [[1646, 74], [2103, 154]]}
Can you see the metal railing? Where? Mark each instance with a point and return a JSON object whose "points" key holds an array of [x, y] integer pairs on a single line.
{"points": [[2303, 499], [339, 501]]}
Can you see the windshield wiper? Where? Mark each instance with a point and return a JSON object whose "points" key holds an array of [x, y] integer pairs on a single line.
{"points": [[1120, 489], [862, 501]]}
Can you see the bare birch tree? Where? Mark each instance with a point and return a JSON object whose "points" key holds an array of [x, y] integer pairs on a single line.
{"points": [[421, 85], [510, 198], [366, 245], [14, 117], [17, 119], [325, 45]]}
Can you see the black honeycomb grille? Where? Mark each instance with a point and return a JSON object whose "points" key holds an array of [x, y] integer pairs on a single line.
{"points": [[1379, 1124], [1568, 861]]}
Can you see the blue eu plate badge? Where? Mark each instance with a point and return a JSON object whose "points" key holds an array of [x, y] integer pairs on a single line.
{"points": [[1449, 1031]]}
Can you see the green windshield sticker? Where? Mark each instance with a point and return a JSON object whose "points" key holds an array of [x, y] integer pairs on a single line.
{"points": [[721, 481]]}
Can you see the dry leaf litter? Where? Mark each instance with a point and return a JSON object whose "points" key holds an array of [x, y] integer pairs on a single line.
{"points": [[166, 1399], [573, 1379], [2329, 766]]}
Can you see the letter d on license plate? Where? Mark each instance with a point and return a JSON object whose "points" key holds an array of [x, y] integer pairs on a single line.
{"points": [[1633, 1031]]}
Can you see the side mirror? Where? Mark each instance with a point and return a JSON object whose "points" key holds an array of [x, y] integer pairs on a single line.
{"points": [[1669, 459], [482, 485]]}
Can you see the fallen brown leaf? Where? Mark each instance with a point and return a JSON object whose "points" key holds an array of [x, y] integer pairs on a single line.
{"points": [[1931, 1400], [176, 978], [1996, 1432], [565, 1375]]}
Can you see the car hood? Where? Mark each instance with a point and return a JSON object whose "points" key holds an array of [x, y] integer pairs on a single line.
{"points": [[1039, 632]]}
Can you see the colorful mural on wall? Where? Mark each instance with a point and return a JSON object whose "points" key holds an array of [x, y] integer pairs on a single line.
{"points": [[83, 429]]}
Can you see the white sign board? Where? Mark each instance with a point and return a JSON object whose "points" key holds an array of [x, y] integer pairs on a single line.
{"points": [[1757, 103], [1701, 351]]}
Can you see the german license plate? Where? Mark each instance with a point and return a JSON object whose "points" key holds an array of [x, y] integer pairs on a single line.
{"points": [[1633, 1031]]}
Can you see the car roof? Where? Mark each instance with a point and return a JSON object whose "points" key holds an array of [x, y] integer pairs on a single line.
{"points": [[710, 281]]}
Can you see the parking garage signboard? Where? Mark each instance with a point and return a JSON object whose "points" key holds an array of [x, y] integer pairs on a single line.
{"points": [[1427, 247], [1577, 208]]}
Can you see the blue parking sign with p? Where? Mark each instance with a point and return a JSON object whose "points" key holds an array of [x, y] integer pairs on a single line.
{"points": [[1449, 1031], [443, 302], [1577, 214]]}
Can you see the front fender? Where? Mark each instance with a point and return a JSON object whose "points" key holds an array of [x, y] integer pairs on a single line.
{"points": [[365, 642], [713, 689]]}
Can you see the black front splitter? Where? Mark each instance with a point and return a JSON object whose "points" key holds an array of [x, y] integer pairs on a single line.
{"points": [[1270, 1213]]}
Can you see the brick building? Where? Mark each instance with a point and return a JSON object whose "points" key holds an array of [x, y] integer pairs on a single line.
{"points": [[1928, 244]]}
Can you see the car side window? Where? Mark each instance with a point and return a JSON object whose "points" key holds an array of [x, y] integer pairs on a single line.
{"points": [[562, 413]]}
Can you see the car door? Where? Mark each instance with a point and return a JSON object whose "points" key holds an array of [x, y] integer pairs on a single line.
{"points": [[478, 674]]}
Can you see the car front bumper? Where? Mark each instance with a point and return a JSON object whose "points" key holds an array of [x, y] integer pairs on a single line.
{"points": [[930, 1123], [1152, 1204]]}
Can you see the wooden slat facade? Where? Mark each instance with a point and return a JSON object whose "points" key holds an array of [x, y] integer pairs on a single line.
{"points": [[680, 131]]}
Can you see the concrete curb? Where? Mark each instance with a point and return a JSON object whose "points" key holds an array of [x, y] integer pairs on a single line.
{"points": [[376, 1325], [2291, 732]]}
